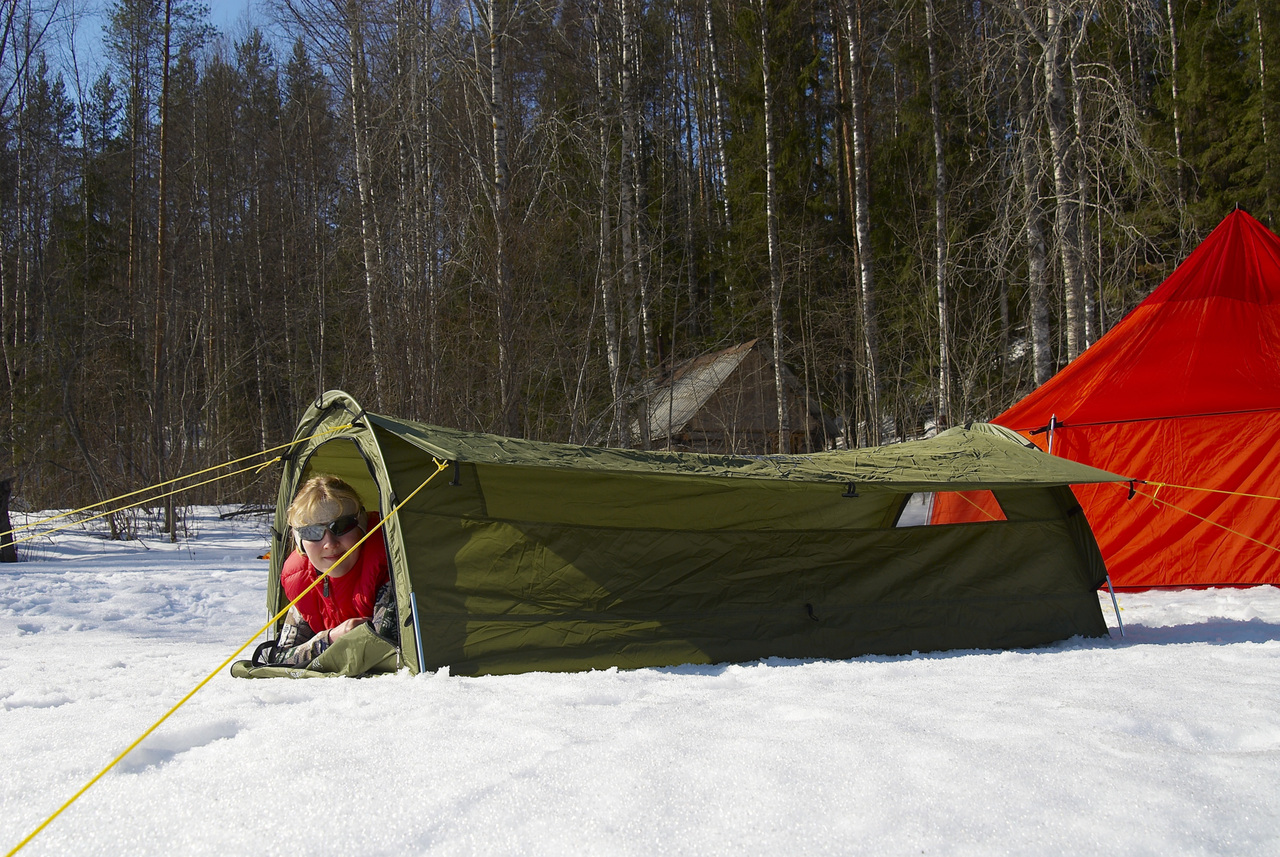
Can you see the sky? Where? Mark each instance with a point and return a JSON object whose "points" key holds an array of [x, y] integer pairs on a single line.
{"points": [[225, 15], [1163, 742]]}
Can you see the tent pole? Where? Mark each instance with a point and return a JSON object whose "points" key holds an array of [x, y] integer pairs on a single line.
{"points": [[417, 630], [1114, 603], [1053, 423]]}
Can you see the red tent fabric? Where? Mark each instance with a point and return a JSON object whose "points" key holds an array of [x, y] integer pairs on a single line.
{"points": [[1184, 391]]}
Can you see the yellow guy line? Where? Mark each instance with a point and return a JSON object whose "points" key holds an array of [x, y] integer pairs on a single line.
{"points": [[440, 466], [961, 494], [1157, 504], [177, 479], [1213, 490], [42, 533]]}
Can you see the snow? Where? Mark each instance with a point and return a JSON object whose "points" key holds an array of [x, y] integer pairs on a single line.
{"points": [[1166, 742]]}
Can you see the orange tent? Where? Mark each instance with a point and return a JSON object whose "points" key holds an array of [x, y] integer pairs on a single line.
{"points": [[1185, 394]]}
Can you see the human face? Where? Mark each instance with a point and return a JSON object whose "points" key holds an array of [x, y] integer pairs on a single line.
{"points": [[330, 548]]}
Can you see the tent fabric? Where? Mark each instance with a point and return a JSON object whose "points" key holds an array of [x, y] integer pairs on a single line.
{"points": [[1185, 391], [979, 457], [524, 555], [359, 652]]}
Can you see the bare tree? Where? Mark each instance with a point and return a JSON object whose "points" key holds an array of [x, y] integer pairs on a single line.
{"points": [[370, 239], [606, 285], [162, 280], [860, 173], [1174, 98], [940, 241], [771, 218], [1033, 219], [1059, 42]]}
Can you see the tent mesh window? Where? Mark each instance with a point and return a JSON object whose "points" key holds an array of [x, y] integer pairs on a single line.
{"points": [[950, 507]]}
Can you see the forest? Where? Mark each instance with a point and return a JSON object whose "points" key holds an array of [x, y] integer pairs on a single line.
{"points": [[511, 215]]}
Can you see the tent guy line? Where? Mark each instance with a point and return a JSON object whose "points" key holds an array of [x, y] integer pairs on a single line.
{"points": [[260, 466], [977, 506], [1208, 490], [1157, 503], [440, 466], [143, 501]]}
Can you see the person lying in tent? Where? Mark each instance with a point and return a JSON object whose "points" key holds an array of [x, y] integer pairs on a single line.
{"points": [[328, 519]]}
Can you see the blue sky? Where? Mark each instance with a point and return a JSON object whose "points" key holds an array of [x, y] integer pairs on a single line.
{"points": [[225, 15]]}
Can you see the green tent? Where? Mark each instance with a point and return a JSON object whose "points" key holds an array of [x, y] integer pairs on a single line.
{"points": [[524, 555]]}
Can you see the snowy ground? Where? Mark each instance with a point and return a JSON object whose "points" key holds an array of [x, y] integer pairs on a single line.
{"points": [[1165, 743]]}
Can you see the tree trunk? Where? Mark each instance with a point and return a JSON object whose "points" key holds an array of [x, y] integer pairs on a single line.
{"points": [[619, 430], [720, 157], [503, 272], [210, 311], [426, 168], [259, 318], [1265, 22], [1088, 282], [1033, 214], [771, 218], [369, 239], [943, 413], [686, 117], [862, 218], [409, 293], [162, 281], [8, 553], [1066, 231], [633, 274], [1175, 100]]}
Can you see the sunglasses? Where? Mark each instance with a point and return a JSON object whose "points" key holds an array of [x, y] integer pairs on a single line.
{"points": [[339, 527]]}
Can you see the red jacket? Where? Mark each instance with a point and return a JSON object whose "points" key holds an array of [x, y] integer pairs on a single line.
{"points": [[350, 596]]}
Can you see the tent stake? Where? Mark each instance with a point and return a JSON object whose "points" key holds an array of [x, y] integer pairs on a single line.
{"points": [[417, 631], [1114, 603]]}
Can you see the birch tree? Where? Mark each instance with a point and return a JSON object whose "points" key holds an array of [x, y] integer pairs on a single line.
{"points": [[940, 217], [771, 218], [855, 39]]}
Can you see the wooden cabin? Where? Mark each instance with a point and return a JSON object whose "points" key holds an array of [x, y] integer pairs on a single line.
{"points": [[726, 402]]}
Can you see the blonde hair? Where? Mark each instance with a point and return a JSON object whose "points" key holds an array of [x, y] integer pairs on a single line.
{"points": [[323, 498]]}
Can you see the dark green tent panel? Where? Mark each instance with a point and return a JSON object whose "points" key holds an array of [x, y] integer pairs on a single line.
{"points": [[537, 556]]}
